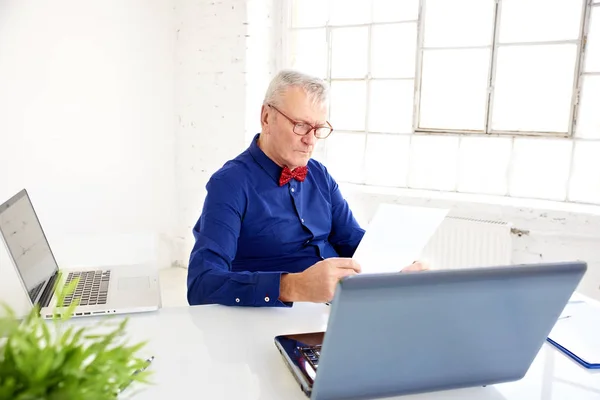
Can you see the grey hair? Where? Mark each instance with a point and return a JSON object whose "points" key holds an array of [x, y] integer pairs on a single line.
{"points": [[316, 88]]}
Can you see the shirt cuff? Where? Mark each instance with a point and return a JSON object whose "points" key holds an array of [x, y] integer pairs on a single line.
{"points": [[267, 290]]}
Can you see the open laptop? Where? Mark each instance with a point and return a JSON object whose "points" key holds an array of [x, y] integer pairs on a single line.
{"points": [[114, 290], [402, 333]]}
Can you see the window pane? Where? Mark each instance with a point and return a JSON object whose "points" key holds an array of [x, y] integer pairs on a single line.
{"points": [[395, 10], [483, 164], [454, 89], [387, 159], [540, 20], [540, 168], [588, 122], [533, 88], [393, 50], [344, 12], [433, 162], [310, 13], [592, 48], [345, 156], [391, 108], [585, 180], [459, 23], [348, 105], [308, 51], [349, 52]]}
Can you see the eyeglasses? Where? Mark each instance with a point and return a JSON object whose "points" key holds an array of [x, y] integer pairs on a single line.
{"points": [[303, 128]]}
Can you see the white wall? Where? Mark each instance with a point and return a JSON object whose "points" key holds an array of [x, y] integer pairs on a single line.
{"points": [[210, 93], [262, 47], [124, 111], [86, 125], [225, 57]]}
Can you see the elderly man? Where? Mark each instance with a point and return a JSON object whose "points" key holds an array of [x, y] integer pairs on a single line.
{"points": [[275, 228]]}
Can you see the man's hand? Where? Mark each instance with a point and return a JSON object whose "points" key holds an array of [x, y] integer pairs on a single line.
{"points": [[317, 283], [416, 266]]}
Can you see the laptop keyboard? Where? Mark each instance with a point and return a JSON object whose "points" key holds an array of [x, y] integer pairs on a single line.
{"points": [[91, 290], [312, 354], [33, 293]]}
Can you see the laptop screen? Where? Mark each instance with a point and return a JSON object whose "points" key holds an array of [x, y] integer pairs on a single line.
{"points": [[27, 243]]}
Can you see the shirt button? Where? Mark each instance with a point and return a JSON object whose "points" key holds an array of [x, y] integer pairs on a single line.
{"points": [[302, 219], [292, 190], [237, 300], [267, 299]]}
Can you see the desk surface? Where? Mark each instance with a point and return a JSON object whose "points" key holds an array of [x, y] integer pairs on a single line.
{"points": [[217, 352]]}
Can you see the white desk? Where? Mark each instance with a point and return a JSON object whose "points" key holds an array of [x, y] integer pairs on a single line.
{"points": [[216, 352]]}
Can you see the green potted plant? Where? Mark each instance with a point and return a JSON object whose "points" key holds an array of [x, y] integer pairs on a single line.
{"points": [[55, 360]]}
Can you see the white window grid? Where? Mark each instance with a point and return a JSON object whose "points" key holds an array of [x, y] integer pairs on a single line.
{"points": [[588, 5], [494, 47]]}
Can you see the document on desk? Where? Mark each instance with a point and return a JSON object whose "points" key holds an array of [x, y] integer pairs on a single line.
{"points": [[396, 236], [577, 333]]}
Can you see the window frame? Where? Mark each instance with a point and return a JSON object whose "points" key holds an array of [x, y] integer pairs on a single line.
{"points": [[586, 4], [285, 8]]}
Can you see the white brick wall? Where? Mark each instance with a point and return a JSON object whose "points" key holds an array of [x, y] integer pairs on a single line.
{"points": [[261, 57], [210, 99]]}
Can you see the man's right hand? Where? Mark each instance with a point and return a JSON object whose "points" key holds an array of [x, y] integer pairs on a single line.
{"points": [[317, 283]]}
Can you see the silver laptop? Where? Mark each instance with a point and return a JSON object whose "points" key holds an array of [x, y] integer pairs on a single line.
{"points": [[114, 290], [402, 333]]}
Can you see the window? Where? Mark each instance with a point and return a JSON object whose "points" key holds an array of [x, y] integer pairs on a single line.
{"points": [[584, 185], [479, 96], [455, 54], [537, 49], [367, 51], [499, 67]]}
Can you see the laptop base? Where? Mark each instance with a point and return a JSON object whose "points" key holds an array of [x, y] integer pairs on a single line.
{"points": [[291, 349]]}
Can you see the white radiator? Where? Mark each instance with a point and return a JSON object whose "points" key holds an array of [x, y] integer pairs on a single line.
{"points": [[466, 242]]}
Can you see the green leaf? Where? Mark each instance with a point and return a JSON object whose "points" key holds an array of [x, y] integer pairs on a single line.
{"points": [[52, 360]]}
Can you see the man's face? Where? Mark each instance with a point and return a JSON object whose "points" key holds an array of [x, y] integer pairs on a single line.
{"points": [[288, 147]]}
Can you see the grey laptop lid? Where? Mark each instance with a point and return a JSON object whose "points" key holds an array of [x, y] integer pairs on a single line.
{"points": [[416, 332], [28, 247]]}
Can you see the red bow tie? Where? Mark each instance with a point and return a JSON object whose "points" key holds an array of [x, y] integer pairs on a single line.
{"points": [[298, 173]]}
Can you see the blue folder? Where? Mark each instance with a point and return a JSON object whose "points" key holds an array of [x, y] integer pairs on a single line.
{"points": [[584, 363]]}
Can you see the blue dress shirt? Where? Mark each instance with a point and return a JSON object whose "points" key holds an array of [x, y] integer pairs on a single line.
{"points": [[251, 230]]}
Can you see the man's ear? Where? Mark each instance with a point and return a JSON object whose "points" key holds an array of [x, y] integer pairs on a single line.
{"points": [[264, 117]]}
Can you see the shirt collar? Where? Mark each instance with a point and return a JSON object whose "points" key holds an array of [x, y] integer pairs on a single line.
{"points": [[265, 162]]}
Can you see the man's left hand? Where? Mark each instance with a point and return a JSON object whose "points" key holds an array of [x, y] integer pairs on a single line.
{"points": [[416, 266]]}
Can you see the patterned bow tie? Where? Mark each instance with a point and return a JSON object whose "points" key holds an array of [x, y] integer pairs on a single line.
{"points": [[298, 173]]}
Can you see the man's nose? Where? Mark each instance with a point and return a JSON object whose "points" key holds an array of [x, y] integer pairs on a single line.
{"points": [[310, 138]]}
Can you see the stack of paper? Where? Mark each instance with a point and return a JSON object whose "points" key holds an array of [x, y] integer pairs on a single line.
{"points": [[396, 236], [577, 333]]}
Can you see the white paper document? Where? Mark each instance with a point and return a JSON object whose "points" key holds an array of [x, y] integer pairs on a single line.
{"points": [[578, 330], [396, 236]]}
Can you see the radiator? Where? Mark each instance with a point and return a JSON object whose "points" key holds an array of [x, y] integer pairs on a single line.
{"points": [[467, 242]]}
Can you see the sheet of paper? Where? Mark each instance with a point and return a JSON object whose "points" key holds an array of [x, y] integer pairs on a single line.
{"points": [[578, 330], [396, 236]]}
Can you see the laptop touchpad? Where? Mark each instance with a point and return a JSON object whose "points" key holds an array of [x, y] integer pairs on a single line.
{"points": [[134, 283]]}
